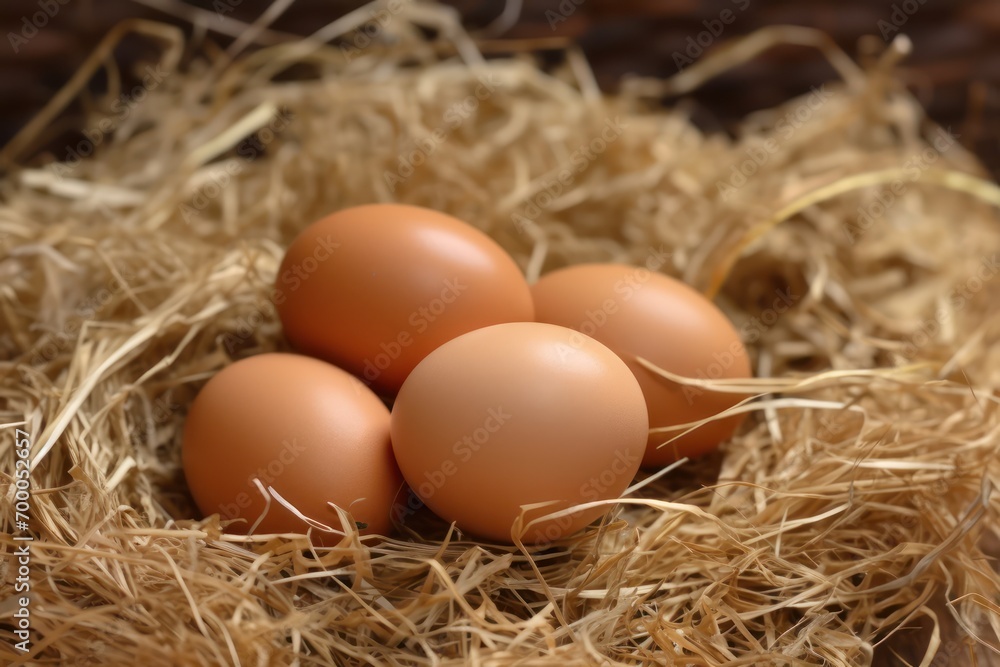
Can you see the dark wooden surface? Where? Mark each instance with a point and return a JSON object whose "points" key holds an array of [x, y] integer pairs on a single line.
{"points": [[954, 68]]}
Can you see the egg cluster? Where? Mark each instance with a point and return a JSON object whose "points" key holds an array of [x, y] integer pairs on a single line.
{"points": [[515, 409]]}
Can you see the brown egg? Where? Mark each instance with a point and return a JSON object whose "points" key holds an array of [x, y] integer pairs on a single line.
{"points": [[311, 431], [637, 312], [375, 288], [515, 414]]}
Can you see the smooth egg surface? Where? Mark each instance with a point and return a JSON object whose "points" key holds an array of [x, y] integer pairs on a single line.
{"points": [[308, 429], [375, 288], [516, 414], [641, 313]]}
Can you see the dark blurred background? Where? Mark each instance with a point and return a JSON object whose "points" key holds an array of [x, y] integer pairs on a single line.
{"points": [[954, 69]]}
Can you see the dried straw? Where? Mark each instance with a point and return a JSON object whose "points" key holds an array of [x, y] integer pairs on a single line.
{"points": [[852, 521]]}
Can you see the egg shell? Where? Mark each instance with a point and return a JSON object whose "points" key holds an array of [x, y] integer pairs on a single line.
{"points": [[515, 414], [641, 313], [375, 288], [307, 428]]}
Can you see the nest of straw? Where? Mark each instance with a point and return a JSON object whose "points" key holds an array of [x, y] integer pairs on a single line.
{"points": [[851, 521]]}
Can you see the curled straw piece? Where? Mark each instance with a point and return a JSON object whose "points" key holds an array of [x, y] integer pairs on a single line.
{"points": [[711, 66], [174, 39], [953, 180]]}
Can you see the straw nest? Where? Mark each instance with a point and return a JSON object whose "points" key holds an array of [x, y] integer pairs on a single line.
{"points": [[851, 521]]}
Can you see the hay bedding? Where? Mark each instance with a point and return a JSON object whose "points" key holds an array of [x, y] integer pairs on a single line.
{"points": [[853, 520]]}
